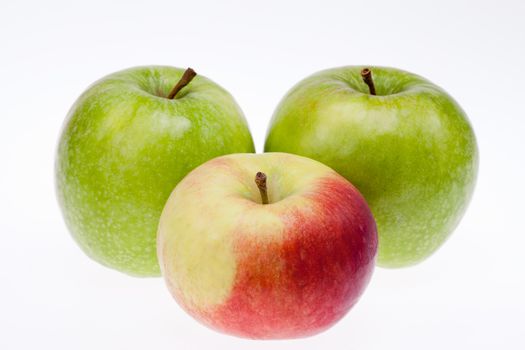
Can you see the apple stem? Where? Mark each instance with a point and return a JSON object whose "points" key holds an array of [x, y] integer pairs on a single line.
{"points": [[188, 75], [260, 181], [366, 74]]}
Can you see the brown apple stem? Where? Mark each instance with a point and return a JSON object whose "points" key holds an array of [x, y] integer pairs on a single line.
{"points": [[260, 181], [366, 74], [188, 75]]}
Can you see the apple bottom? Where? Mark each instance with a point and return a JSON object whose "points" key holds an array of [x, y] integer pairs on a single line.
{"points": [[306, 281]]}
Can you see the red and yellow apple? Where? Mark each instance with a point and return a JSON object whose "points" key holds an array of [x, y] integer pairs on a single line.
{"points": [[285, 266]]}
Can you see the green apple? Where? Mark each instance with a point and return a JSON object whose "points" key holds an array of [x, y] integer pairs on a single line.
{"points": [[126, 142], [286, 249], [401, 140]]}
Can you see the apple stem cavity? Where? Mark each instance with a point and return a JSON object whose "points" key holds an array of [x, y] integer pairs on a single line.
{"points": [[260, 181], [366, 74], [186, 78]]}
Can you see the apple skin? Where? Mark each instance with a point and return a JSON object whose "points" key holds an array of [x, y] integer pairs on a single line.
{"points": [[287, 269], [124, 147], [410, 151]]}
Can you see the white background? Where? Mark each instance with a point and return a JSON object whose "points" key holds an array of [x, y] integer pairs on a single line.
{"points": [[468, 295]]}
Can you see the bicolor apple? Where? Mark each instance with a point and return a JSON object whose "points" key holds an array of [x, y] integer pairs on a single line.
{"points": [[266, 246]]}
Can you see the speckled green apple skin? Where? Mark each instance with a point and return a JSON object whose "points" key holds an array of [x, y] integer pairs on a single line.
{"points": [[124, 147], [410, 150]]}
